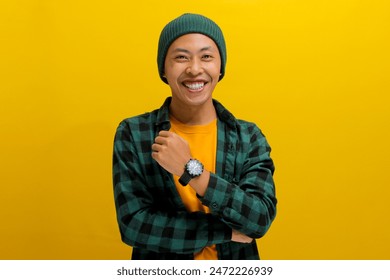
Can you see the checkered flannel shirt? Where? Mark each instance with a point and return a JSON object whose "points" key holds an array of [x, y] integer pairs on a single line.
{"points": [[150, 213]]}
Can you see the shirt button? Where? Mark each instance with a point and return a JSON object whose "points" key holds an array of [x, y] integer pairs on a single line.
{"points": [[214, 205]]}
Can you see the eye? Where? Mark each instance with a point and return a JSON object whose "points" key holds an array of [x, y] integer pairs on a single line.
{"points": [[181, 58], [207, 57]]}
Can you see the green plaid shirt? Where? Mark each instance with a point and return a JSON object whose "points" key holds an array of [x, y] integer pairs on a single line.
{"points": [[151, 215]]}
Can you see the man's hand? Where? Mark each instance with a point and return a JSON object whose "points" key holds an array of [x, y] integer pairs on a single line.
{"points": [[240, 237], [171, 152]]}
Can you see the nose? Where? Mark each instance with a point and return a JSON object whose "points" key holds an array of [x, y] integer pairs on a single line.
{"points": [[195, 67]]}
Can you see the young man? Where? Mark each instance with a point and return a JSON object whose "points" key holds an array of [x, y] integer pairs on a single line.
{"points": [[190, 180]]}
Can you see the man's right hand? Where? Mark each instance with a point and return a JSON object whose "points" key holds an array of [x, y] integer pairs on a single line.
{"points": [[240, 237]]}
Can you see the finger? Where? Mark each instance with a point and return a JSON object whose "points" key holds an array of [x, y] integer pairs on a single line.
{"points": [[155, 156], [156, 148], [161, 140], [165, 133]]}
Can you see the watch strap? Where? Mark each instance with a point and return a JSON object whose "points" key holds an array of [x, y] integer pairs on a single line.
{"points": [[185, 178]]}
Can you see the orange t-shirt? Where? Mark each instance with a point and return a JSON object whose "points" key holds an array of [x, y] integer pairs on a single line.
{"points": [[202, 140]]}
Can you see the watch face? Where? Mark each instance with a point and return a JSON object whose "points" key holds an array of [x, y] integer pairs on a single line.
{"points": [[194, 167]]}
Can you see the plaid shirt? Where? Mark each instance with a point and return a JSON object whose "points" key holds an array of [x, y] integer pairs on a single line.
{"points": [[151, 216]]}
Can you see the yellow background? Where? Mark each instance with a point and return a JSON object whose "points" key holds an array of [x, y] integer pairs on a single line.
{"points": [[314, 75]]}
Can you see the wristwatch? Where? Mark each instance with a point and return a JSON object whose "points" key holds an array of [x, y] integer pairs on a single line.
{"points": [[192, 169]]}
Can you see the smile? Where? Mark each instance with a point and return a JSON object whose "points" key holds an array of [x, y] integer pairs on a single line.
{"points": [[195, 85]]}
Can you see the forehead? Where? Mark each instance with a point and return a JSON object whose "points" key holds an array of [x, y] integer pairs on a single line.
{"points": [[193, 42]]}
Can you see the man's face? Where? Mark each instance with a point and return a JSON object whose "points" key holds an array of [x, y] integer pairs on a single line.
{"points": [[192, 68]]}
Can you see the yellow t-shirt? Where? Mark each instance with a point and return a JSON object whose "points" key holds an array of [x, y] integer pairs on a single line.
{"points": [[202, 140]]}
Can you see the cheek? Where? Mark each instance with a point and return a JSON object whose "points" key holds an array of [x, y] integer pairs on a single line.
{"points": [[173, 71], [216, 69], [215, 72]]}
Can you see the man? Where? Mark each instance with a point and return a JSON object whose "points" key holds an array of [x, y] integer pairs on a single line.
{"points": [[190, 180]]}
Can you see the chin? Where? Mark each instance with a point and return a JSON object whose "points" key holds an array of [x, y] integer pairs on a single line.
{"points": [[199, 99]]}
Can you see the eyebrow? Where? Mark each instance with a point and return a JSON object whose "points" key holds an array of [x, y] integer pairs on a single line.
{"points": [[187, 51]]}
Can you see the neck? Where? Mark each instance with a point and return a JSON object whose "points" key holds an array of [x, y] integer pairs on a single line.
{"points": [[197, 115]]}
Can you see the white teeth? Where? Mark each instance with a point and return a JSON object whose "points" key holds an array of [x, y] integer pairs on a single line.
{"points": [[195, 86]]}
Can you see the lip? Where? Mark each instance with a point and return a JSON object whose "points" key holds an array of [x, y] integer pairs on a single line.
{"points": [[197, 85]]}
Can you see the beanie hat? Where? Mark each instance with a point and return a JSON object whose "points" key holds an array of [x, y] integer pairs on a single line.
{"points": [[185, 24]]}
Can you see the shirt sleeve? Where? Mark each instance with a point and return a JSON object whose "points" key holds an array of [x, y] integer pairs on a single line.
{"points": [[248, 203], [143, 221]]}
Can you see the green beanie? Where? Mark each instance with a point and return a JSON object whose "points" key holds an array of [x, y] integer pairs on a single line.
{"points": [[185, 24]]}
